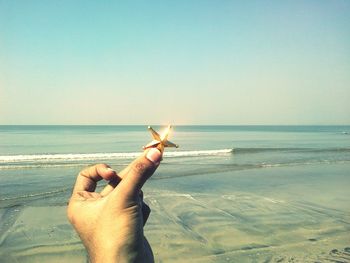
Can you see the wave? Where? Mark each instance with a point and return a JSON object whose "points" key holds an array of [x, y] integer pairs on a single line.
{"points": [[71, 157], [102, 156]]}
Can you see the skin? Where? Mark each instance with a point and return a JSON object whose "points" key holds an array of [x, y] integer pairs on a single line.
{"points": [[110, 223]]}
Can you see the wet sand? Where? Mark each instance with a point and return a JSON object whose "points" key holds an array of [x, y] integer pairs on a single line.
{"points": [[284, 214], [244, 228]]}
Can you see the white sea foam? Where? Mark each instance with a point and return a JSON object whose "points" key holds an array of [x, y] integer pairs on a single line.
{"points": [[101, 156]]}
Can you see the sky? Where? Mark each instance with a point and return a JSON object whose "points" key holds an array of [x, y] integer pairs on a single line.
{"points": [[180, 62]]}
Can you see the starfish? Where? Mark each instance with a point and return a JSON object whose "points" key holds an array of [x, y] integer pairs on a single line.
{"points": [[160, 140]]}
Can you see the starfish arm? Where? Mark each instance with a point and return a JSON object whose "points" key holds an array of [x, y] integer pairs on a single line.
{"points": [[153, 143], [165, 134], [155, 134], [170, 144]]}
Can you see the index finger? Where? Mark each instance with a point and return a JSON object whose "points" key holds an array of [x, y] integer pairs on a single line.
{"points": [[115, 181], [87, 179]]}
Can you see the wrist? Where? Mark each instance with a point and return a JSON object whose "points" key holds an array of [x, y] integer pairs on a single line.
{"points": [[116, 255]]}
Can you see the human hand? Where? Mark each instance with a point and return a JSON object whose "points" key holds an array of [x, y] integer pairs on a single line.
{"points": [[110, 223]]}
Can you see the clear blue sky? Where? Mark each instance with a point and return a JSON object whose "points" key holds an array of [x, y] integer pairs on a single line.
{"points": [[180, 62]]}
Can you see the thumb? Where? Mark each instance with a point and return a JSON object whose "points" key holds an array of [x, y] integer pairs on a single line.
{"points": [[139, 171]]}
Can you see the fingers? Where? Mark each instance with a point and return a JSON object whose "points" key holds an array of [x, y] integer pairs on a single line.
{"points": [[88, 178], [139, 171], [114, 182], [146, 211]]}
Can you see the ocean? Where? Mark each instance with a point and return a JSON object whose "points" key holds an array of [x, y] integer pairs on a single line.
{"points": [[228, 194]]}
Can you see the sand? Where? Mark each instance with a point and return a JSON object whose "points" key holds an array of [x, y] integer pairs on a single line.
{"points": [[223, 223]]}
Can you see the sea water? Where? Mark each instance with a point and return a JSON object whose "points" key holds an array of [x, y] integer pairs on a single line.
{"points": [[228, 194]]}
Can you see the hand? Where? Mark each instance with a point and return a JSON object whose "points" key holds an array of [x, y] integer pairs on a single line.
{"points": [[110, 223]]}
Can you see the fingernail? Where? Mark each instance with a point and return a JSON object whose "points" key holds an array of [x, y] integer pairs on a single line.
{"points": [[154, 156], [110, 169]]}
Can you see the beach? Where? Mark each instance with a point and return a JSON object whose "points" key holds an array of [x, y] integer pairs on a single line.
{"points": [[229, 194]]}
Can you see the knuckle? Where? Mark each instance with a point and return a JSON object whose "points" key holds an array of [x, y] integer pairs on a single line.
{"points": [[90, 170], [140, 167]]}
